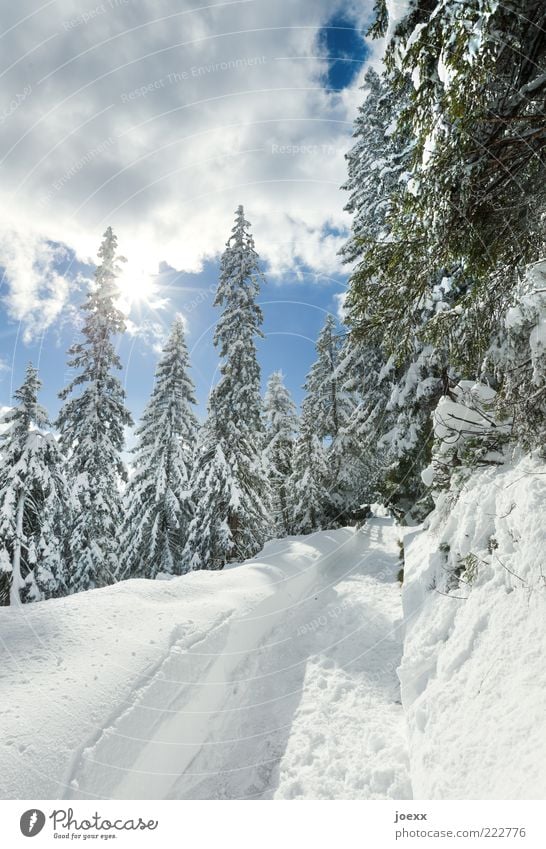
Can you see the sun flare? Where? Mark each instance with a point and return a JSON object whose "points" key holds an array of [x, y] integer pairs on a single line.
{"points": [[138, 287]]}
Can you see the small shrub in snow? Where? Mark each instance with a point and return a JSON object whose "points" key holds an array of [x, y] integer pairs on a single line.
{"points": [[468, 568]]}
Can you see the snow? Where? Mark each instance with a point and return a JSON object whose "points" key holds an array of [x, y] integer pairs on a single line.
{"points": [[427, 475], [279, 678], [275, 678], [396, 11], [347, 740], [473, 675], [469, 411]]}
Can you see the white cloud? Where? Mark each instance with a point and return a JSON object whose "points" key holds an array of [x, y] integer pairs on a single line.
{"points": [[341, 311], [35, 292], [159, 120]]}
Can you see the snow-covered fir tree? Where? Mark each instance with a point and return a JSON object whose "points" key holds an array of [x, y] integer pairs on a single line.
{"points": [[441, 234], [329, 407], [470, 198], [375, 165], [281, 427], [34, 501], [229, 478], [210, 539], [325, 400], [158, 503], [518, 358], [406, 447], [91, 425], [310, 499], [357, 449]]}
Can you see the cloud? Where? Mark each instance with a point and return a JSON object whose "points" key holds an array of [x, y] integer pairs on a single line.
{"points": [[35, 292], [159, 119], [341, 311]]}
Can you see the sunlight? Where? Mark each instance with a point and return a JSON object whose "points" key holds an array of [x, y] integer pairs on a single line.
{"points": [[137, 287]]}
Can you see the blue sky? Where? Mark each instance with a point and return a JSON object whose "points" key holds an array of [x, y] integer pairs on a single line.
{"points": [[294, 310], [284, 98]]}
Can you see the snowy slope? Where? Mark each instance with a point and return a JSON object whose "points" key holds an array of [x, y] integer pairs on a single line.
{"points": [[473, 673], [275, 678]]}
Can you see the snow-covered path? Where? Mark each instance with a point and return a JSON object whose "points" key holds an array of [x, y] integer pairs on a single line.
{"points": [[277, 680]]}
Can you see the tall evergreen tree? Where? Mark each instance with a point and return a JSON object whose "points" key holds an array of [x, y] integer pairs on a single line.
{"points": [[518, 360], [471, 196], [91, 424], [33, 500], [210, 539], [282, 425], [375, 164], [358, 450], [158, 503], [229, 473], [406, 447], [310, 499], [329, 408]]}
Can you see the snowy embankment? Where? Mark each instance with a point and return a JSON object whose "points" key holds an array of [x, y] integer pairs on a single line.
{"points": [[276, 678], [474, 673]]}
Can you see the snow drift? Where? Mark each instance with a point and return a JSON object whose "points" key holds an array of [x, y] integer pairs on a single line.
{"points": [[473, 674], [276, 678]]}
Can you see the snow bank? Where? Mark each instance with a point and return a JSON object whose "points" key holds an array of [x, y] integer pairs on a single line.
{"points": [[473, 674], [69, 665], [275, 677]]}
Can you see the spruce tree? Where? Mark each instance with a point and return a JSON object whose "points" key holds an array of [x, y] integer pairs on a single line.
{"points": [[33, 501], [358, 450], [310, 500], [282, 425], [375, 164], [91, 426], [210, 539], [470, 198], [518, 359], [329, 407], [229, 477], [416, 387], [158, 504]]}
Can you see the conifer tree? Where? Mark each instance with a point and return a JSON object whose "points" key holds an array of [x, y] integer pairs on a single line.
{"points": [[229, 476], [329, 409], [328, 405], [158, 504], [310, 499], [210, 539], [518, 360], [375, 164], [470, 198], [358, 449], [406, 447], [33, 501], [282, 425], [91, 426]]}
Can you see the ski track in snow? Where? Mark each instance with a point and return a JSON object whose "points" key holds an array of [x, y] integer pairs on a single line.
{"points": [[286, 688]]}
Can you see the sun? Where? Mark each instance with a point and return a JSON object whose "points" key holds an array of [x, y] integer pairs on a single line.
{"points": [[138, 288]]}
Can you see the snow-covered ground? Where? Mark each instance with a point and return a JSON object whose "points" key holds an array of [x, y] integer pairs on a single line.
{"points": [[473, 672], [278, 678], [273, 679]]}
